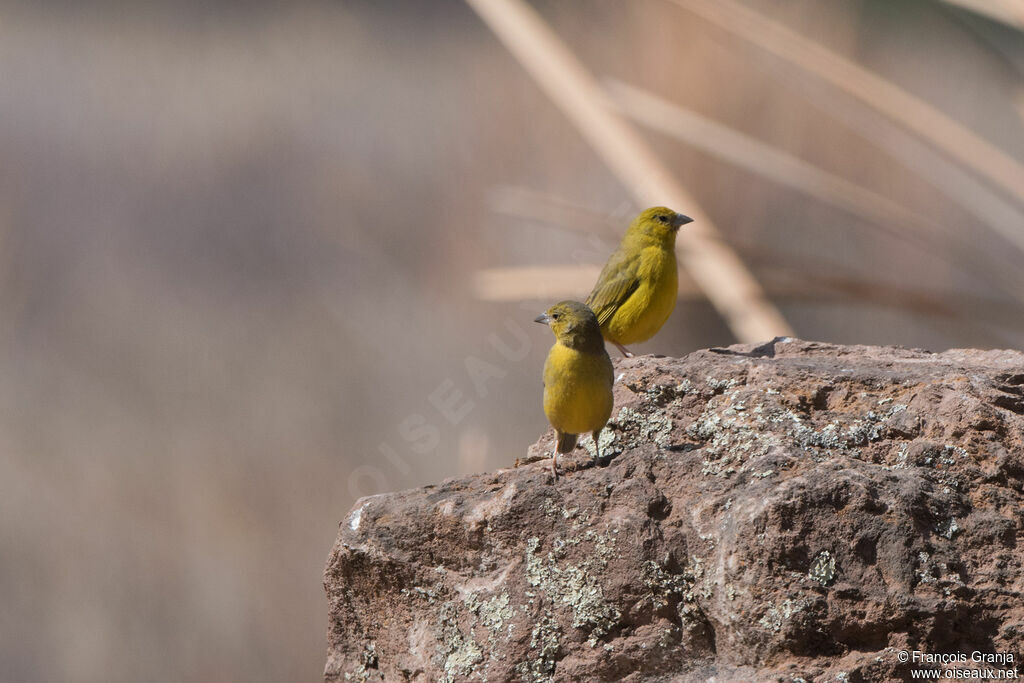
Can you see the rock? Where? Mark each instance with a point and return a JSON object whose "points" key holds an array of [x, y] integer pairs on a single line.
{"points": [[791, 511]]}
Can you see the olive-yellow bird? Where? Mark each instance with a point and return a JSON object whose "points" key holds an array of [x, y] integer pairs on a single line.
{"points": [[578, 376], [637, 288]]}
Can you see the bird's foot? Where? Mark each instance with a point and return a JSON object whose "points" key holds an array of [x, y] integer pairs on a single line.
{"points": [[623, 350]]}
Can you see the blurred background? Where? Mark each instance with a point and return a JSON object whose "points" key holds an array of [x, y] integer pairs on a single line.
{"points": [[259, 259]]}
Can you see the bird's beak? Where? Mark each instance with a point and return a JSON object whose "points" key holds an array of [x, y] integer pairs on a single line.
{"points": [[680, 220], [543, 318]]}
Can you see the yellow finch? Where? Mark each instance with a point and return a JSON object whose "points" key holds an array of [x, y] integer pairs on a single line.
{"points": [[637, 288], [578, 376]]}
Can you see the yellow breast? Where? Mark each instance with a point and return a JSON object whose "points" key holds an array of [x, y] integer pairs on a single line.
{"points": [[641, 316], [577, 390]]}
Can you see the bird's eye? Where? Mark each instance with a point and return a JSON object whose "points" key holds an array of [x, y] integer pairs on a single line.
{"points": [[663, 219], [556, 316]]}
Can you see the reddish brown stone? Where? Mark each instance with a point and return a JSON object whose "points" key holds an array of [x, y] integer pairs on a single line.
{"points": [[795, 510]]}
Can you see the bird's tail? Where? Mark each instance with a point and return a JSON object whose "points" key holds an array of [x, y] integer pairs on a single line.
{"points": [[566, 442]]}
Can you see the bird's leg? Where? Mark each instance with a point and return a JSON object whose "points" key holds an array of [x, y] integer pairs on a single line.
{"points": [[554, 457], [597, 444], [625, 352]]}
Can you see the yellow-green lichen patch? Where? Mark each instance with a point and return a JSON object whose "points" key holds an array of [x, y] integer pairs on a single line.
{"points": [[430, 594], [575, 585], [579, 518], [666, 587], [845, 436], [607, 441], [941, 574], [653, 426], [823, 568], [662, 585], [720, 385], [662, 394], [732, 435], [947, 528], [367, 661], [495, 612], [741, 424], [777, 615], [495, 615], [459, 651], [544, 642]]}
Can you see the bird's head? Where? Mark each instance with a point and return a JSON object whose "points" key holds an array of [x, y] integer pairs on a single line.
{"points": [[659, 223], [574, 325]]}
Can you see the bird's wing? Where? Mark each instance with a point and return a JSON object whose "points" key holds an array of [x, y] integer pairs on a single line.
{"points": [[616, 283]]}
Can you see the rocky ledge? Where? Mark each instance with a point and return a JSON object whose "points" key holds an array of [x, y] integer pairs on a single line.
{"points": [[793, 511]]}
